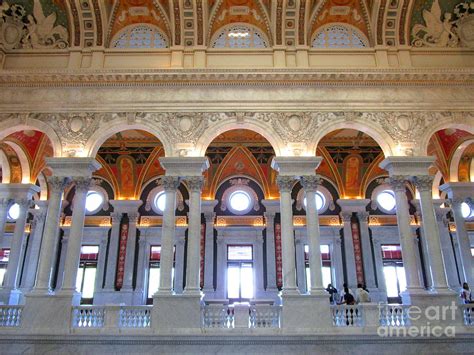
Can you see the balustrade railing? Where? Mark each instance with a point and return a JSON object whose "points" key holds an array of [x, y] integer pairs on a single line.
{"points": [[265, 316], [468, 314], [344, 315], [217, 316], [135, 317], [10, 316], [393, 315], [88, 317]]}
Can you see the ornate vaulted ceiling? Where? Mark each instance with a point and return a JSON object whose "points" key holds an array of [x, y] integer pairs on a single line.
{"points": [[40, 24]]}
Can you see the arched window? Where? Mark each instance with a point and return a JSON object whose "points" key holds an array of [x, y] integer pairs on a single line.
{"points": [[239, 36], [140, 36], [339, 36]]}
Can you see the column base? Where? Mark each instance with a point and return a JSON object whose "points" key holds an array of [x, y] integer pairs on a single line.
{"points": [[11, 296], [435, 308], [303, 312], [72, 294], [47, 313], [290, 292], [171, 313]]}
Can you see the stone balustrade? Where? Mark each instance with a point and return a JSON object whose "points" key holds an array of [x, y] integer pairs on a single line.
{"points": [[468, 314], [111, 317], [88, 317], [135, 317], [393, 315], [10, 316], [217, 316], [265, 316], [344, 315]]}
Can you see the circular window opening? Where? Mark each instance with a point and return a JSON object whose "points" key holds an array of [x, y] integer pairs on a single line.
{"points": [[160, 201], [466, 210], [94, 201], [14, 212], [240, 201], [320, 201], [386, 201]]}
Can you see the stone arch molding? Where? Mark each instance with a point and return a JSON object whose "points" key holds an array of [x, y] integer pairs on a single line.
{"points": [[190, 133]]}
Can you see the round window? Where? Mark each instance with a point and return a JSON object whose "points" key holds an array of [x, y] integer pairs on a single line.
{"points": [[14, 212], [94, 201], [320, 201], [240, 202], [386, 201], [160, 201], [466, 210]]}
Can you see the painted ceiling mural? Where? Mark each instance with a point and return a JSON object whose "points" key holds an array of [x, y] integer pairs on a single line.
{"points": [[36, 24], [130, 160], [56, 24]]}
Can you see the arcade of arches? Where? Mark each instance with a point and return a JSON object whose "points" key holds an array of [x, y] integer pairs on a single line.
{"points": [[176, 171]]}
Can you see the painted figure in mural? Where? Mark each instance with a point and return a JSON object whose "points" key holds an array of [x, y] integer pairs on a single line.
{"points": [[352, 174], [437, 32], [126, 177]]}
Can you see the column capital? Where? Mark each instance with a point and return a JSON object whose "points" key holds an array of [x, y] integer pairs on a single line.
{"points": [[346, 216], [83, 184], [17, 192], [269, 215], [310, 182], [423, 183], [296, 165], [65, 167], [363, 216], [57, 183], [133, 217], [285, 183], [209, 216], [398, 182], [408, 165], [458, 191], [194, 183], [171, 183], [184, 166], [272, 205], [353, 204], [116, 217]]}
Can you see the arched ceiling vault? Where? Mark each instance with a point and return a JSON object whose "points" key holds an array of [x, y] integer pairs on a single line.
{"points": [[292, 23]]}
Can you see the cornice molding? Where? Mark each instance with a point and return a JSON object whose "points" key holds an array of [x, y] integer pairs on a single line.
{"points": [[237, 77]]}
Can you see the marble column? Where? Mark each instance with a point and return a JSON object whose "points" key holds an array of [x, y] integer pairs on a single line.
{"points": [[300, 265], [258, 269], [431, 233], [49, 243], [133, 217], [423, 259], [139, 295], [457, 193], [407, 239], [179, 260], [62, 258], [99, 277], [209, 216], [170, 185], [367, 259], [113, 252], [37, 227], [22, 195], [446, 245], [17, 247], [379, 269], [350, 266], [194, 184], [272, 207], [285, 184], [310, 184], [73, 253], [5, 204], [221, 265]]}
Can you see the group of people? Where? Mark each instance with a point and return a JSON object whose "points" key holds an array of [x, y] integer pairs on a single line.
{"points": [[362, 295]]}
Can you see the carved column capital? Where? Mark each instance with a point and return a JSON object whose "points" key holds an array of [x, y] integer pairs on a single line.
{"points": [[209, 216], [310, 182], [194, 183], [83, 184], [398, 182], [133, 217], [170, 183], [346, 216], [285, 183], [5, 202], [57, 184], [363, 216], [116, 217], [423, 183]]}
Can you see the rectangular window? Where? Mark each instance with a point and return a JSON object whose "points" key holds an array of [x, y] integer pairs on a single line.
{"points": [[325, 269], [4, 256], [85, 281], [394, 272], [240, 275]]}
